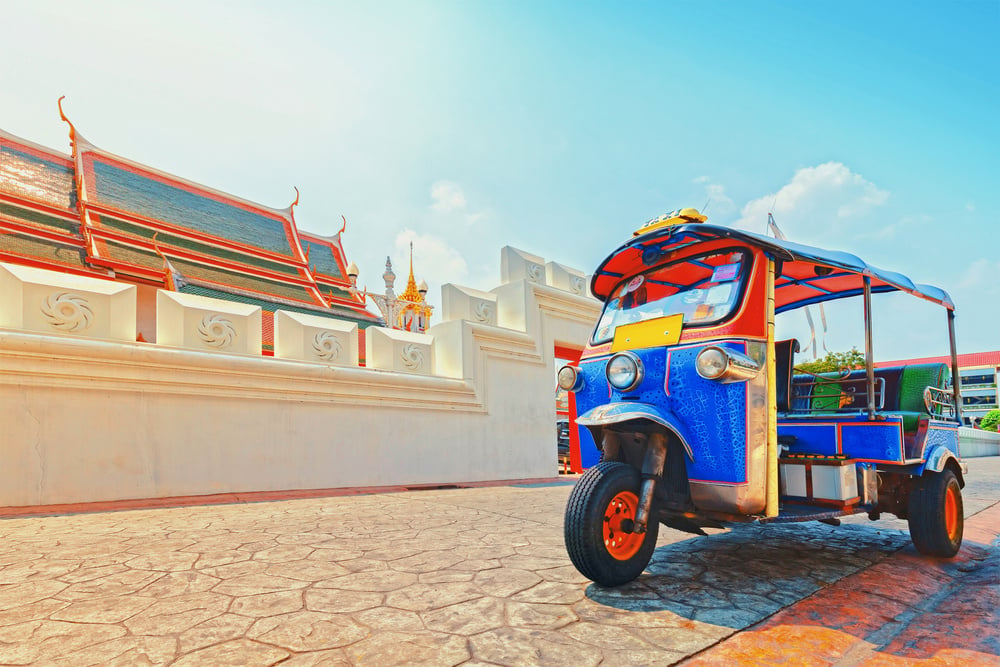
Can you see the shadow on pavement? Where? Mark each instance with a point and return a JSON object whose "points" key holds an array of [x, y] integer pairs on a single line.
{"points": [[900, 606], [740, 577]]}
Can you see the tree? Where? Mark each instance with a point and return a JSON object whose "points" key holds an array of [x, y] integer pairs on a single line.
{"points": [[991, 421], [833, 362]]}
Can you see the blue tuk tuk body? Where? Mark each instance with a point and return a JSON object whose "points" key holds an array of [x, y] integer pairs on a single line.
{"points": [[698, 417]]}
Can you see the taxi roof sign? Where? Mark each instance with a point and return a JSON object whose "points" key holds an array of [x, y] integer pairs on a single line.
{"points": [[679, 217]]}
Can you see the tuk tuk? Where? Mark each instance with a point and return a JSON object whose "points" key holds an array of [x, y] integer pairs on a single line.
{"points": [[701, 420]]}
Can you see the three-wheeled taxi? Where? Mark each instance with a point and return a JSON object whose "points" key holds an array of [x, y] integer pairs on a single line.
{"points": [[701, 420]]}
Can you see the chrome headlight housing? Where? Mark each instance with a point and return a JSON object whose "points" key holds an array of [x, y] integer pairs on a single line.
{"points": [[570, 379], [724, 365], [624, 371]]}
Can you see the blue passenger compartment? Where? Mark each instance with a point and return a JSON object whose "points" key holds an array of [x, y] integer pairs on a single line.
{"points": [[899, 391], [853, 436]]}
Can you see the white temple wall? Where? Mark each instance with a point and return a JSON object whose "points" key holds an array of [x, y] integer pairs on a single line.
{"points": [[88, 420]]}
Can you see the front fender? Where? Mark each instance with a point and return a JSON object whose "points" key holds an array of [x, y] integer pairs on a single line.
{"points": [[937, 461], [616, 413]]}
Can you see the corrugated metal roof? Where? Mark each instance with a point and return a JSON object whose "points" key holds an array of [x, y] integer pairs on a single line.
{"points": [[968, 360]]}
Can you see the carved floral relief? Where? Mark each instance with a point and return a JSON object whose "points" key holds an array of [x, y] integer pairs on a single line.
{"points": [[326, 346], [412, 356], [217, 331], [68, 312]]}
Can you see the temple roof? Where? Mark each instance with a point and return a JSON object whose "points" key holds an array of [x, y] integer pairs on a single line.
{"points": [[116, 185], [325, 256], [35, 173], [39, 221], [99, 213]]}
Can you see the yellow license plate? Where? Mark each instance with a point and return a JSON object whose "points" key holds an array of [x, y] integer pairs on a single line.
{"points": [[652, 333]]}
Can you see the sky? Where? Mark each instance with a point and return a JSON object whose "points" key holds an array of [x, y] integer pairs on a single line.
{"points": [[558, 128]]}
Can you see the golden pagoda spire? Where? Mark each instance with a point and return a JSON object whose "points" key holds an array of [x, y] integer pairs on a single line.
{"points": [[415, 314], [411, 293]]}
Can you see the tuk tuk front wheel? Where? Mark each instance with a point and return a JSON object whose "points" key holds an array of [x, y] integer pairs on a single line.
{"points": [[936, 515], [599, 521]]}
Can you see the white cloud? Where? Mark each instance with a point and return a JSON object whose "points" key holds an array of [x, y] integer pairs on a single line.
{"points": [[982, 274], [818, 202], [718, 201], [447, 196], [450, 207], [434, 260], [890, 230]]}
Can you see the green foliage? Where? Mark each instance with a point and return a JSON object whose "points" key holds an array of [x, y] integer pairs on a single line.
{"points": [[991, 422], [834, 361]]}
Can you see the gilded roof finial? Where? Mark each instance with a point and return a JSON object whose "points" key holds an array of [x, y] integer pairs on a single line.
{"points": [[411, 293], [343, 227]]}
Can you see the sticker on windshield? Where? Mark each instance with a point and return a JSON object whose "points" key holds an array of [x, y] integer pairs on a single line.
{"points": [[725, 273], [692, 296], [719, 294], [633, 284]]}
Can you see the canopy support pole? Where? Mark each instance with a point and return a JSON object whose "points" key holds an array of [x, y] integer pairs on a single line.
{"points": [[771, 490], [956, 380], [869, 349]]}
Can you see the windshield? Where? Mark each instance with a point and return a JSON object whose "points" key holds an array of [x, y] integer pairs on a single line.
{"points": [[705, 289]]}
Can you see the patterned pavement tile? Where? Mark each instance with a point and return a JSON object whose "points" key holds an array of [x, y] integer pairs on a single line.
{"points": [[480, 576], [235, 653]]}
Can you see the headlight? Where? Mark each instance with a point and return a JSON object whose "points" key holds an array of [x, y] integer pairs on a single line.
{"points": [[711, 363], [725, 365], [624, 371], [570, 378]]}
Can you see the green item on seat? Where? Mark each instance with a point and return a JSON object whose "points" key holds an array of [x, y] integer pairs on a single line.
{"points": [[915, 379], [912, 383], [826, 397]]}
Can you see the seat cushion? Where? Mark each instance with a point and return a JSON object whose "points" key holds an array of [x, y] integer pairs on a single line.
{"points": [[910, 419], [915, 379]]}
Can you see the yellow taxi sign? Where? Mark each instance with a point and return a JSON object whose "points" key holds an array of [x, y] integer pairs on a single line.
{"points": [[678, 217], [651, 333]]}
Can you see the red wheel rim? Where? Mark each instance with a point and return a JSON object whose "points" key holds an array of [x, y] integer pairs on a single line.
{"points": [[951, 513], [621, 544]]}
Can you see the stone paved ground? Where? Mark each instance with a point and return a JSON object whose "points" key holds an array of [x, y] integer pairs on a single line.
{"points": [[480, 576]]}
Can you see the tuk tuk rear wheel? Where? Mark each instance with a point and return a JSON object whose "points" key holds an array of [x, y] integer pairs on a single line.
{"points": [[598, 525], [936, 515]]}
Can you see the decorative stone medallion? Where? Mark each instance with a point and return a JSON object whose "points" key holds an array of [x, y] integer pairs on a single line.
{"points": [[68, 312], [536, 272], [483, 312], [217, 331], [412, 356], [326, 346]]}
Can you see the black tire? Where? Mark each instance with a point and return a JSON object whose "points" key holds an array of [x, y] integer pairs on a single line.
{"points": [[590, 508], [936, 516]]}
